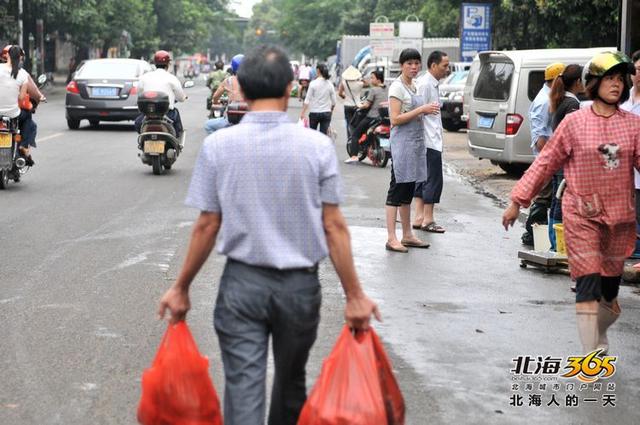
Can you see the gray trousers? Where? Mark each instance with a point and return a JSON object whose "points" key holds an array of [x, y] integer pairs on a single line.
{"points": [[254, 303]]}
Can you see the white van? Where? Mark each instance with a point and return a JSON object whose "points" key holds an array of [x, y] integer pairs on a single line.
{"points": [[497, 95]]}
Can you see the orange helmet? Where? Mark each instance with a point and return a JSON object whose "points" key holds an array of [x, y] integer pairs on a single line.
{"points": [[162, 57]]}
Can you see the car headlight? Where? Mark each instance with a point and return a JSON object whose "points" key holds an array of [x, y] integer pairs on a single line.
{"points": [[457, 96]]}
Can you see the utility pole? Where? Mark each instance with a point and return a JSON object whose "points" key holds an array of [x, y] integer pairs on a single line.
{"points": [[20, 24]]}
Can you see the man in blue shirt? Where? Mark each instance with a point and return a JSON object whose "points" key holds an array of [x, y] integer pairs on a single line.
{"points": [[540, 124], [274, 220]]}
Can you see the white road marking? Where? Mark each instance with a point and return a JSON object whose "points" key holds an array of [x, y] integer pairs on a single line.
{"points": [[53, 136]]}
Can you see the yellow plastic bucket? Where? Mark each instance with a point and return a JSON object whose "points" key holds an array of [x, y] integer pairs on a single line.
{"points": [[561, 248]]}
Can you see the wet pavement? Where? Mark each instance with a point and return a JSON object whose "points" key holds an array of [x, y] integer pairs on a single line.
{"points": [[107, 238]]}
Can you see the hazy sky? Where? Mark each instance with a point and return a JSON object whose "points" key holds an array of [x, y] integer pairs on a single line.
{"points": [[243, 7]]}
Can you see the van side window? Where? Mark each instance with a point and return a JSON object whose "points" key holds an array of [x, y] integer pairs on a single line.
{"points": [[536, 80], [494, 81]]}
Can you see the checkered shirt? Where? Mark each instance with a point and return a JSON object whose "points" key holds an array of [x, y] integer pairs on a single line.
{"points": [[269, 179], [598, 155]]}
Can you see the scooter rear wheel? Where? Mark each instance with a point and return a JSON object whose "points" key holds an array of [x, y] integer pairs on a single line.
{"points": [[156, 164], [4, 179]]}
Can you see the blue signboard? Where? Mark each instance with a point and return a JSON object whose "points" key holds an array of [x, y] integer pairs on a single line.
{"points": [[476, 29]]}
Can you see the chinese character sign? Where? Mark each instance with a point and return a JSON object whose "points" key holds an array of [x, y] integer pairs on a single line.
{"points": [[476, 29]]}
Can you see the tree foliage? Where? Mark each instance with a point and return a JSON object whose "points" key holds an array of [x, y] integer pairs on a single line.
{"points": [[309, 27]]}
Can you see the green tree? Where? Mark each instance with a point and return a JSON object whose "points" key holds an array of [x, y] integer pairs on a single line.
{"points": [[313, 28]]}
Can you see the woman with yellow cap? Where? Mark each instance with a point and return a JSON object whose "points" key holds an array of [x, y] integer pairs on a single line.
{"points": [[598, 147]]}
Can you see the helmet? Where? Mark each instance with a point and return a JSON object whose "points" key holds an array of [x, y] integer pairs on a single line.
{"points": [[235, 62], [604, 62], [553, 70], [161, 57]]}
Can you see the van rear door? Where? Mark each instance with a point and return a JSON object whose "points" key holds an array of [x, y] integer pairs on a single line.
{"points": [[490, 102]]}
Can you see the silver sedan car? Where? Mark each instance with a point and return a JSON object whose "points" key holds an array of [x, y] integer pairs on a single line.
{"points": [[104, 90]]}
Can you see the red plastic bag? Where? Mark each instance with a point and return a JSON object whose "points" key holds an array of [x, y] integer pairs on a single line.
{"points": [[356, 386], [177, 389]]}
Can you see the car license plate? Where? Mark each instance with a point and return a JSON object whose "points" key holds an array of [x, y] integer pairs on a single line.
{"points": [[104, 91], [385, 143], [154, 147], [5, 140], [485, 122]]}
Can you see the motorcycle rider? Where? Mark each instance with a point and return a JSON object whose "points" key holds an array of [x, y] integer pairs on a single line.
{"points": [[161, 80], [231, 87], [13, 55], [215, 78], [376, 95]]}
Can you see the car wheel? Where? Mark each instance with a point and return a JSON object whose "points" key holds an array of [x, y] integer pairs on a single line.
{"points": [[515, 169], [73, 124], [449, 125]]}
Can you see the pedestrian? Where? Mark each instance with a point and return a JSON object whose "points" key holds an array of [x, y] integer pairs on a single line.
{"points": [[598, 147], [428, 192], [285, 222], [376, 95], [304, 78], [320, 101], [540, 123], [563, 100], [633, 105], [350, 90], [408, 151]]}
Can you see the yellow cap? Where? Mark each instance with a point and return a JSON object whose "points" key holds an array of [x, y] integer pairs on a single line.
{"points": [[553, 70]]}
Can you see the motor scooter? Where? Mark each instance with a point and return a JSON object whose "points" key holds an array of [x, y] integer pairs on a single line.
{"points": [[158, 142], [12, 164], [375, 142]]}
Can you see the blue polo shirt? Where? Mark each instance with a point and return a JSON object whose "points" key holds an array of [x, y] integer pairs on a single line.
{"points": [[268, 178]]}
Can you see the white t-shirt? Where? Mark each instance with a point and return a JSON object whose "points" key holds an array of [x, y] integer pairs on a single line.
{"points": [[10, 90], [321, 96], [161, 81], [428, 88], [401, 92]]}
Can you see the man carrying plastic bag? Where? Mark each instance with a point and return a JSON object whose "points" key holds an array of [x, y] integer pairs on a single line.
{"points": [[356, 385], [271, 189], [177, 389]]}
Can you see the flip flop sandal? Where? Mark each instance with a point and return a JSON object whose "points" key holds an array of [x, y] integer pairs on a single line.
{"points": [[388, 247], [416, 226], [432, 228], [413, 244]]}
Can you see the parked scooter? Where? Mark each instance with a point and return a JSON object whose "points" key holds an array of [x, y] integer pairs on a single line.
{"points": [[375, 142], [12, 165], [158, 141]]}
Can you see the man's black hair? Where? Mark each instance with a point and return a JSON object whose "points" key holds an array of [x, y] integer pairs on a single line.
{"points": [[265, 73], [635, 56], [409, 54], [219, 65], [162, 65], [435, 57]]}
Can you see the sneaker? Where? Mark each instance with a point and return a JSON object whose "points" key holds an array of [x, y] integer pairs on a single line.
{"points": [[29, 161], [350, 160]]}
